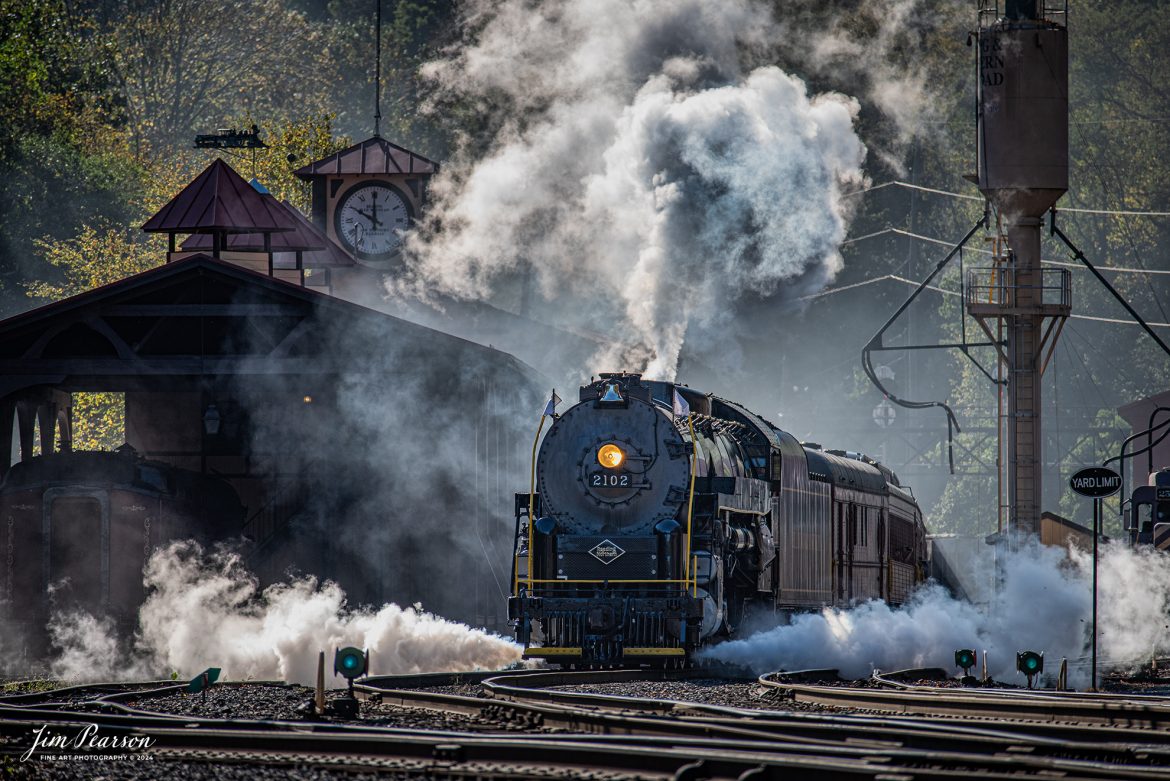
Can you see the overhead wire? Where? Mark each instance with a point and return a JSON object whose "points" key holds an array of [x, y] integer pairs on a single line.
{"points": [[944, 291], [933, 240], [1124, 227], [965, 197]]}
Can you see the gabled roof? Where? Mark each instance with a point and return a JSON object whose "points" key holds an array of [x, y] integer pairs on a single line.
{"points": [[303, 238], [220, 200], [199, 315], [375, 155]]}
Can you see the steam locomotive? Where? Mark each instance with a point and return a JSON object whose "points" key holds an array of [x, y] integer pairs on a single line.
{"points": [[661, 516]]}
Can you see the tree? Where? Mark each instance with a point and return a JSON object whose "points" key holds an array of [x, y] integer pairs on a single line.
{"points": [[95, 257], [186, 66], [61, 151]]}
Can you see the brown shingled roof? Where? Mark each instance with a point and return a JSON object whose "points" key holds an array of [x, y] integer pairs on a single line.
{"points": [[373, 156], [331, 255], [303, 238], [220, 200]]}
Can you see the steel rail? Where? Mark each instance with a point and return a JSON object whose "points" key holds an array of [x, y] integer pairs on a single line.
{"points": [[1148, 717], [887, 679], [64, 691], [611, 713], [630, 753], [765, 754]]}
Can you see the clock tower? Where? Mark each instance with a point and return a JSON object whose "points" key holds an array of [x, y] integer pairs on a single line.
{"points": [[366, 196]]}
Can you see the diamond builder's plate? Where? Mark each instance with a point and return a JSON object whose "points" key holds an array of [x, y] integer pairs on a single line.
{"points": [[606, 551]]}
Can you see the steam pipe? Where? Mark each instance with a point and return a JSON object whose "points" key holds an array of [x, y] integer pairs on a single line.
{"points": [[1149, 443], [875, 343], [1122, 457]]}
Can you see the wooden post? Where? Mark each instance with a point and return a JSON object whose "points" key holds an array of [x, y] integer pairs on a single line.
{"points": [[320, 697]]}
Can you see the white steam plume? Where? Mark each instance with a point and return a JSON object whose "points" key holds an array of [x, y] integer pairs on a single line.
{"points": [[206, 610], [644, 176], [1044, 604]]}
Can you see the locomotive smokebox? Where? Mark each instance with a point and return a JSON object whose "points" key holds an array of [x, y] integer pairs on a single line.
{"points": [[1023, 109]]}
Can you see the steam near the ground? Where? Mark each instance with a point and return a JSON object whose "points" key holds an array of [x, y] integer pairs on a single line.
{"points": [[1044, 604], [206, 610], [644, 177]]}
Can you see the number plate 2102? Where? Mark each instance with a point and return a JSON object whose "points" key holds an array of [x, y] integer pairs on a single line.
{"points": [[609, 480]]}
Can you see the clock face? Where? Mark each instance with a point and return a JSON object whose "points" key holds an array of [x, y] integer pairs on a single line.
{"points": [[370, 218]]}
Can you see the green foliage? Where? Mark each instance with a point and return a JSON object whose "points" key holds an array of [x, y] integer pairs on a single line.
{"points": [[97, 256], [99, 421], [62, 161], [31, 686], [185, 66]]}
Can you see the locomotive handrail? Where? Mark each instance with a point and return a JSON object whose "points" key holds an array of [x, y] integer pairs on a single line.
{"points": [[531, 498], [689, 570]]}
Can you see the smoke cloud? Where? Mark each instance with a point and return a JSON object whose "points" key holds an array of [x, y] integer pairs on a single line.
{"points": [[206, 610], [878, 49], [1044, 603], [644, 174]]}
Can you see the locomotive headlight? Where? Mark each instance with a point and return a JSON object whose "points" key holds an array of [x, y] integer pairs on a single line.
{"points": [[610, 456]]}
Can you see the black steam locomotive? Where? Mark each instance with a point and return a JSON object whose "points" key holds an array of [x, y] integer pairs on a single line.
{"points": [[662, 515]]}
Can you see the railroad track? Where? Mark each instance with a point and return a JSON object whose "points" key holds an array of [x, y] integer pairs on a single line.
{"points": [[598, 736], [1143, 717], [1065, 750]]}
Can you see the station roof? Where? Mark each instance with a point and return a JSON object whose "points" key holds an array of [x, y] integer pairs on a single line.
{"points": [[319, 251], [331, 255], [199, 316], [375, 155], [300, 239], [220, 200]]}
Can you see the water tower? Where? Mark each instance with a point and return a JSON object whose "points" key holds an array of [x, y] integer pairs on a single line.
{"points": [[1022, 145]]}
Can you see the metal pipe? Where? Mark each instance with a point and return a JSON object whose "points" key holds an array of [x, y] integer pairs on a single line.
{"points": [[1122, 457], [1149, 440], [875, 343]]}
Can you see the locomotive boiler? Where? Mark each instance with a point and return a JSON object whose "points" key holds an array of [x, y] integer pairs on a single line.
{"points": [[661, 516]]}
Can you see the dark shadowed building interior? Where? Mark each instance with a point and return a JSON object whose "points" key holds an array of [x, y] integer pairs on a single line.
{"points": [[319, 436]]}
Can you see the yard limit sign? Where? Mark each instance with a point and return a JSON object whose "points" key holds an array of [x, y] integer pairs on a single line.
{"points": [[1095, 483]]}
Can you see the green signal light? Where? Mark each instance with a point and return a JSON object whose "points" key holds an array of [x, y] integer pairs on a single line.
{"points": [[1030, 663], [966, 658], [351, 663]]}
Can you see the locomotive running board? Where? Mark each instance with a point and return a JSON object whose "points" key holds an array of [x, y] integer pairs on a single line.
{"points": [[552, 651], [540, 653]]}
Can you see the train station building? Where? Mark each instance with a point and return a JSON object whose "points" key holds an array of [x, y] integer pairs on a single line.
{"points": [[362, 447]]}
